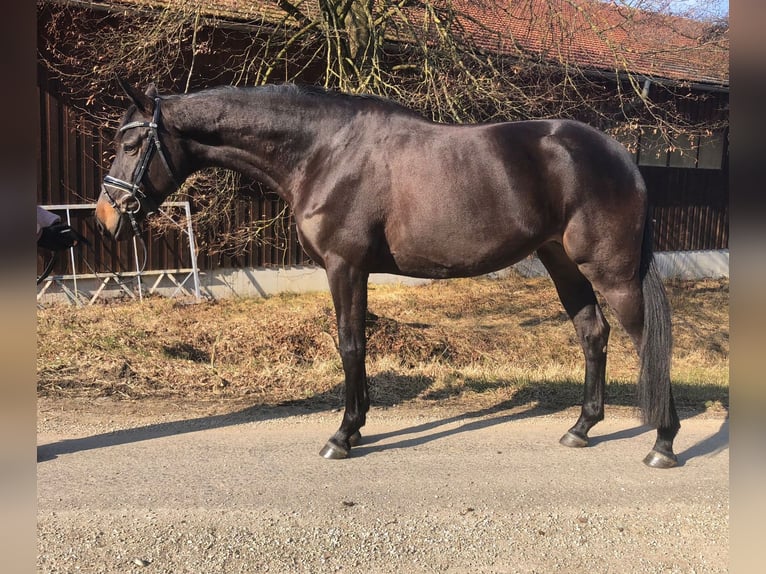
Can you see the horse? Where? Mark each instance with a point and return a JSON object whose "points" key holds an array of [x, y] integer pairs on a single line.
{"points": [[375, 187]]}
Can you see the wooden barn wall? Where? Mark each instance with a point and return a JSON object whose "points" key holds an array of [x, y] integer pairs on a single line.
{"points": [[690, 208]]}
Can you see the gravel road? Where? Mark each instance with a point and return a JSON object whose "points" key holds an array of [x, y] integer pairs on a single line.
{"points": [[128, 489]]}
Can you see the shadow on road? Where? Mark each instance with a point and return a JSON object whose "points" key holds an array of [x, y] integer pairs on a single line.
{"points": [[408, 437], [410, 387], [710, 446]]}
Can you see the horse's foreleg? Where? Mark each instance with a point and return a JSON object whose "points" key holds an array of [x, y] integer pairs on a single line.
{"points": [[579, 300], [349, 293]]}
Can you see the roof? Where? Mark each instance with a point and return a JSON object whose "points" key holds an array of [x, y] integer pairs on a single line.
{"points": [[603, 36], [591, 34]]}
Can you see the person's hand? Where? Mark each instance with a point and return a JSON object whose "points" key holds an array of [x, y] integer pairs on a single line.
{"points": [[58, 237]]}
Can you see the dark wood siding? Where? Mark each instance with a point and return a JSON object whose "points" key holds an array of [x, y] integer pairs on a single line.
{"points": [[690, 208]]}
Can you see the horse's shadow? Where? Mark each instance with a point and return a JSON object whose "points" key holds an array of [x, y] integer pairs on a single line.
{"points": [[517, 408], [408, 388], [429, 432]]}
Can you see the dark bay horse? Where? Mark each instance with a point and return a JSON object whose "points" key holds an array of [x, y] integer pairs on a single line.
{"points": [[375, 187]]}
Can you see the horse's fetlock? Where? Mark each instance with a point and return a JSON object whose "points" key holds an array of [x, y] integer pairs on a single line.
{"points": [[354, 421]]}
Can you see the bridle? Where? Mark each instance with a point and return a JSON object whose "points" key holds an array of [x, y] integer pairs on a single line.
{"points": [[133, 188]]}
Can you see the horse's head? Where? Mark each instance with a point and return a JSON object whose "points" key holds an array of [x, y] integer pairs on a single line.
{"points": [[145, 169]]}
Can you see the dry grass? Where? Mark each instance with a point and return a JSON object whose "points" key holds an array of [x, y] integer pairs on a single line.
{"points": [[476, 342]]}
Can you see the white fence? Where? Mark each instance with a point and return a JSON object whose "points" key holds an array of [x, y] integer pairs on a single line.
{"points": [[87, 288]]}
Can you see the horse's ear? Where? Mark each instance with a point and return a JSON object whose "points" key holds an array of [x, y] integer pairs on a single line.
{"points": [[151, 91], [143, 101]]}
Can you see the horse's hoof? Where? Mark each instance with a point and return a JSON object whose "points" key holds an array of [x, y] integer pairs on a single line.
{"points": [[355, 439], [332, 451], [657, 459], [572, 440]]}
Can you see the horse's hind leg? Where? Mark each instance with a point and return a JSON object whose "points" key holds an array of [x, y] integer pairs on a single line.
{"points": [[579, 300], [641, 306]]}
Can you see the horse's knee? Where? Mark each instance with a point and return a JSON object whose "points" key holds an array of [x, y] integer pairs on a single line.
{"points": [[353, 364], [351, 352]]}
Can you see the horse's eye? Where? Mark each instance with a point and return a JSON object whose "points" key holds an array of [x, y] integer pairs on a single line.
{"points": [[129, 148]]}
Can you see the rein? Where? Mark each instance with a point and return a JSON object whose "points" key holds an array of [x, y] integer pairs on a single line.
{"points": [[133, 188], [48, 268]]}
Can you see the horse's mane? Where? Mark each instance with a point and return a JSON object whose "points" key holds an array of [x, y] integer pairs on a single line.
{"points": [[301, 91]]}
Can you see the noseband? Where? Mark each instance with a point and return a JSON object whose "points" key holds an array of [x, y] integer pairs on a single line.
{"points": [[133, 188]]}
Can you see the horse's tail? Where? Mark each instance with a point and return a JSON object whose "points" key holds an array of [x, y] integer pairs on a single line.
{"points": [[654, 395]]}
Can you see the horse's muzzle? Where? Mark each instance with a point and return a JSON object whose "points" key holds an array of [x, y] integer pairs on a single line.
{"points": [[109, 221]]}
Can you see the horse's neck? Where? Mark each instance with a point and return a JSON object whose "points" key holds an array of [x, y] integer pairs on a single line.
{"points": [[260, 137]]}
